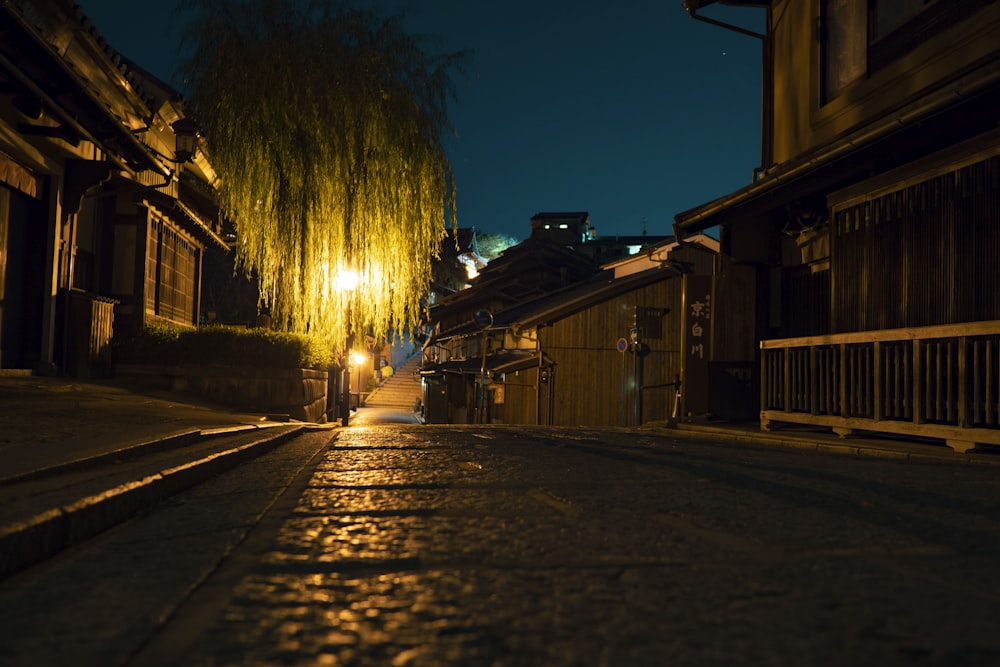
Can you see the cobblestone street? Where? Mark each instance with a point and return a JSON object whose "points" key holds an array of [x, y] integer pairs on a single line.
{"points": [[416, 545]]}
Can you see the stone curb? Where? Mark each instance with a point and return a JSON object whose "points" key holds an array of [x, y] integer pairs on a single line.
{"points": [[847, 448], [179, 439], [44, 535]]}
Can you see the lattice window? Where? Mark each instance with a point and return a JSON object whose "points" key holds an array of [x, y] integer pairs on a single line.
{"points": [[171, 274]]}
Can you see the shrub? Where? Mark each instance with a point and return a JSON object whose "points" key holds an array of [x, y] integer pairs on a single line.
{"points": [[158, 344], [169, 344]]}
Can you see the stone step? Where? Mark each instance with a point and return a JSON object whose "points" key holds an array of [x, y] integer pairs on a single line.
{"points": [[400, 390]]}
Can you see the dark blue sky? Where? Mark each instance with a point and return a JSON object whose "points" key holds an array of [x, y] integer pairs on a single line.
{"points": [[630, 110]]}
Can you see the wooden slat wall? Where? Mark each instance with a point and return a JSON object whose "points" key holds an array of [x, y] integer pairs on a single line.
{"points": [[520, 397], [589, 382], [922, 255]]}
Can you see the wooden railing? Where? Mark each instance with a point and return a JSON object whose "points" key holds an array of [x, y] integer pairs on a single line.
{"points": [[938, 382]]}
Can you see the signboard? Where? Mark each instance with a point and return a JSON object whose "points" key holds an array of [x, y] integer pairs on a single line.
{"points": [[696, 343], [622, 345]]}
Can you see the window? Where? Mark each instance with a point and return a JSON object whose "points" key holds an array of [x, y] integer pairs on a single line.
{"points": [[900, 26], [845, 53], [888, 15], [862, 36], [171, 271]]}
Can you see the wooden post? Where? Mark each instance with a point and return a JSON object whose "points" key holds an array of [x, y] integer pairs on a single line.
{"points": [[813, 381], [786, 357], [918, 383], [963, 418], [845, 411], [878, 390]]}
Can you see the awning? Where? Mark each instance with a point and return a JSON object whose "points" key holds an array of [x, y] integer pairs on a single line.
{"points": [[499, 362], [455, 366], [933, 123], [511, 363]]}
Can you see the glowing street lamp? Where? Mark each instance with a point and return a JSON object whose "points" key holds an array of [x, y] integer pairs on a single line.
{"points": [[345, 281]]}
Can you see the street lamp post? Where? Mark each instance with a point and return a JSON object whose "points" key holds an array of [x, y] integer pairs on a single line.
{"points": [[346, 281], [483, 318], [358, 358], [345, 396]]}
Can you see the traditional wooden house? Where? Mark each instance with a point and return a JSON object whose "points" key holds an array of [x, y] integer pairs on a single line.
{"points": [[611, 348], [522, 273], [106, 206], [867, 243]]}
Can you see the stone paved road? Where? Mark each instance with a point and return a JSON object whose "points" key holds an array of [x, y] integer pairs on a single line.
{"points": [[418, 545]]}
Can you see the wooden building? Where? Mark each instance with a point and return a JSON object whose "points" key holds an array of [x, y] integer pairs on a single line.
{"points": [[867, 243], [106, 204], [607, 349]]}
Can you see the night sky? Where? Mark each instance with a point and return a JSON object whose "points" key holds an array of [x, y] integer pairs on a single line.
{"points": [[630, 110]]}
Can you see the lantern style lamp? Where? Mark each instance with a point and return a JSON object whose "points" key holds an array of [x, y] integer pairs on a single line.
{"points": [[186, 136]]}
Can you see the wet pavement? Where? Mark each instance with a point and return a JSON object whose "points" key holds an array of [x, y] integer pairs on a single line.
{"points": [[433, 545], [368, 416], [392, 542]]}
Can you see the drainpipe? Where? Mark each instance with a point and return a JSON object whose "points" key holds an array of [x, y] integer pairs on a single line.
{"points": [[692, 9], [538, 381]]}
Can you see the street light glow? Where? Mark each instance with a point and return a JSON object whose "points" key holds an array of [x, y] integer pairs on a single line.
{"points": [[346, 281]]}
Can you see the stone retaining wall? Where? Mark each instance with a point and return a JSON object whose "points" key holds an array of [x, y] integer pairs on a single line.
{"points": [[300, 393]]}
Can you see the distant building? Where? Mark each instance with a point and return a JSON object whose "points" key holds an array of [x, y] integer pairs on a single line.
{"points": [[547, 336], [457, 264], [568, 229], [573, 230]]}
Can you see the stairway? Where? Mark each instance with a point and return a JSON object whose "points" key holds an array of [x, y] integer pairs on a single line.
{"points": [[400, 391]]}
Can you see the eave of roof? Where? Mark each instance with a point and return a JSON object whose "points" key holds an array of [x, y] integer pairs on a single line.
{"points": [[187, 217], [561, 304], [953, 113], [69, 89]]}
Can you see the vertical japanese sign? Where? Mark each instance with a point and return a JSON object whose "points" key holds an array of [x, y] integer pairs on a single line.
{"points": [[696, 343]]}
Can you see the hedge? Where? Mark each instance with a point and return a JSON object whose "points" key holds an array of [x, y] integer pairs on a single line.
{"points": [[167, 344]]}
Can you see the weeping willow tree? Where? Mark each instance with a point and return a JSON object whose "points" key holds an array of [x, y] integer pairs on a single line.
{"points": [[325, 125]]}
